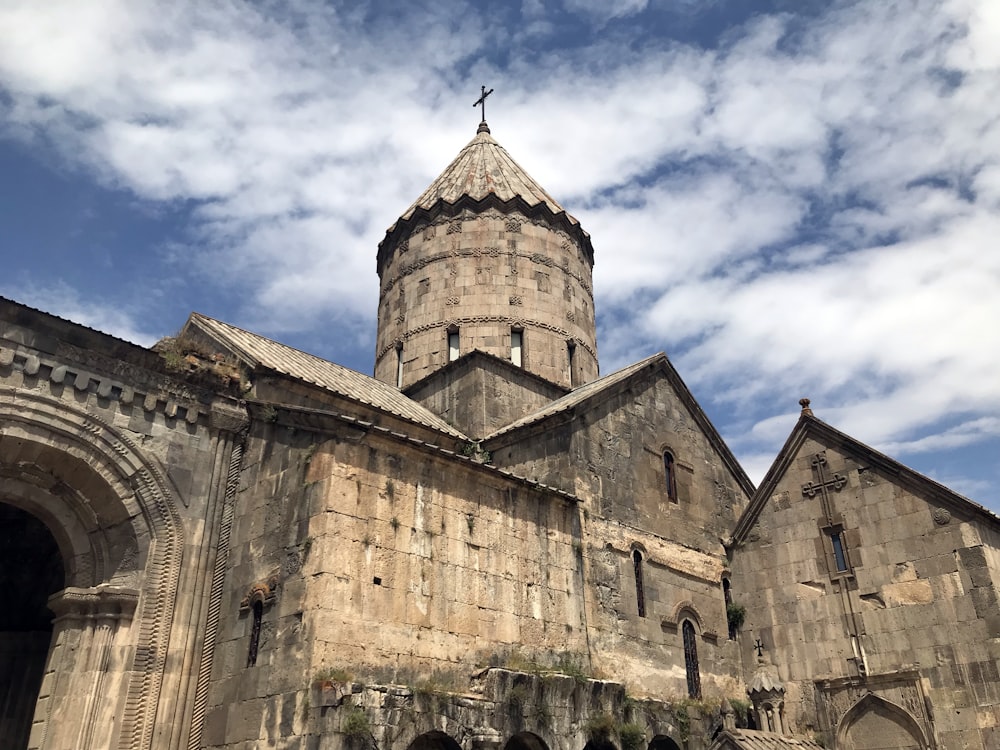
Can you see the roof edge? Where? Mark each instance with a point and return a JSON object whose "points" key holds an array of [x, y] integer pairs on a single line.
{"points": [[810, 426]]}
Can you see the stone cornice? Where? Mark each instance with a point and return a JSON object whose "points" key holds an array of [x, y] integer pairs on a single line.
{"points": [[99, 602], [126, 384], [422, 216]]}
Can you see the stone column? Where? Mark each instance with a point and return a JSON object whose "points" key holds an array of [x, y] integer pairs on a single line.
{"points": [[82, 677]]}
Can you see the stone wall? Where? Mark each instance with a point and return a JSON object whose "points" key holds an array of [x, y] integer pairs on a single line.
{"points": [[483, 275], [911, 614], [479, 394], [126, 464], [401, 565]]}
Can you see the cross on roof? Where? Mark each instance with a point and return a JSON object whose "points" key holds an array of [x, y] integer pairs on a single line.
{"points": [[481, 102]]}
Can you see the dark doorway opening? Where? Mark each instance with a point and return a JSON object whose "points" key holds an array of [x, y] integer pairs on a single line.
{"points": [[31, 570]]}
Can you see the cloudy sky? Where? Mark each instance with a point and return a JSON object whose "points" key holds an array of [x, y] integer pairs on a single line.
{"points": [[790, 197]]}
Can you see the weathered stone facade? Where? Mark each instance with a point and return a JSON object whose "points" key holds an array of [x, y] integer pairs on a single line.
{"points": [[873, 590], [228, 543]]}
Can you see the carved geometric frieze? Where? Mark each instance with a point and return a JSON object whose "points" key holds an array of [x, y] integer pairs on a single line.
{"points": [[834, 698], [160, 394]]}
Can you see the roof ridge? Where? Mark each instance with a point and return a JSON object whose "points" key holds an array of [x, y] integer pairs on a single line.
{"points": [[310, 368]]}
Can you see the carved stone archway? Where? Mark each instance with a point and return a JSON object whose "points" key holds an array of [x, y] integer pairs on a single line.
{"points": [[874, 723], [119, 535]]}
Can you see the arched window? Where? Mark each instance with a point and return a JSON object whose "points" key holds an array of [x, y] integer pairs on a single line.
{"points": [[258, 612], [691, 660], [453, 344], [640, 594], [670, 475]]}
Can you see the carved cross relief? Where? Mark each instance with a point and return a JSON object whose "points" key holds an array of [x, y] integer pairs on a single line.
{"points": [[823, 484]]}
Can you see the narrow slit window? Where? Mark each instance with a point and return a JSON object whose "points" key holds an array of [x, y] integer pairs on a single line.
{"points": [[727, 595], [571, 351], [399, 365], [257, 614], [516, 346], [691, 660], [839, 554], [452, 345], [640, 594], [670, 476]]}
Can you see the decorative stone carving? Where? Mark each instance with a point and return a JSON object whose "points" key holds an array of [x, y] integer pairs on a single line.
{"points": [[264, 591], [942, 516]]}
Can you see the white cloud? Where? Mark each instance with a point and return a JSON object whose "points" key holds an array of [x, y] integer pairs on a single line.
{"points": [[63, 301], [812, 203]]}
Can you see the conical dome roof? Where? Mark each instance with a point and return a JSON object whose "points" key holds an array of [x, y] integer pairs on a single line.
{"points": [[481, 169]]}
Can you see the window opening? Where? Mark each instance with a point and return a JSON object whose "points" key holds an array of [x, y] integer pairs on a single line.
{"points": [[516, 344], [452, 345], [571, 350], [640, 594], [727, 595], [258, 612], [839, 555], [399, 365], [670, 475], [691, 660]]}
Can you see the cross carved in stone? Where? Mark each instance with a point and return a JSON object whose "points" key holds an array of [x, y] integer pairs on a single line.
{"points": [[823, 484], [481, 102]]}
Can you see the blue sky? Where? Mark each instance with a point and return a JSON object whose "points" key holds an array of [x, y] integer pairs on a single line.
{"points": [[790, 198]]}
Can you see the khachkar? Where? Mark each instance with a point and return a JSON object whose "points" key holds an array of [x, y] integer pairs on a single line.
{"points": [[486, 260]]}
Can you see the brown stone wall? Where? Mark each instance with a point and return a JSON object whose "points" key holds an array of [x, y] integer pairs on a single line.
{"points": [[484, 275], [918, 595], [611, 456], [480, 394], [391, 564]]}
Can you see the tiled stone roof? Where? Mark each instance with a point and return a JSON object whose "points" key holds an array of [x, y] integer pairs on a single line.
{"points": [[750, 739], [483, 168], [260, 351], [579, 395]]}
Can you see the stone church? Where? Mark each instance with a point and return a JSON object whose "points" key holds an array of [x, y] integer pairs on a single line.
{"points": [[223, 542]]}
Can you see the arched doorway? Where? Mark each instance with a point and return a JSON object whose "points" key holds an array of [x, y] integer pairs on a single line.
{"points": [[31, 570], [662, 742], [874, 723], [433, 741], [525, 741], [112, 526]]}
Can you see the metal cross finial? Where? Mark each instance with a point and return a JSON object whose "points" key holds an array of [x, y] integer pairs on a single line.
{"points": [[759, 646], [481, 102]]}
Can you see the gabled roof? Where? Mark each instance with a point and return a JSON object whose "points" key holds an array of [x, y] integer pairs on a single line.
{"points": [[596, 391], [482, 168], [809, 426], [580, 395], [258, 351]]}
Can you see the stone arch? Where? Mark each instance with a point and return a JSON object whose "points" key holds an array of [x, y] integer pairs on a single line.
{"points": [[433, 740], [663, 742], [873, 723], [684, 610], [117, 527], [525, 741]]}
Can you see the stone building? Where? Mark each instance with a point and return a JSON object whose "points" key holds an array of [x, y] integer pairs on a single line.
{"points": [[225, 542]]}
